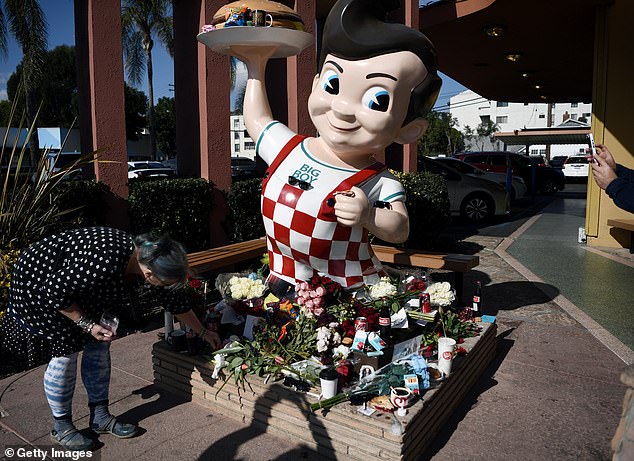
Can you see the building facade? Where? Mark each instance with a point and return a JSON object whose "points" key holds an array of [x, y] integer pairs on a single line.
{"points": [[241, 144], [471, 109]]}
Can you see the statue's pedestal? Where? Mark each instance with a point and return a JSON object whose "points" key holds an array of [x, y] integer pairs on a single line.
{"points": [[343, 432]]}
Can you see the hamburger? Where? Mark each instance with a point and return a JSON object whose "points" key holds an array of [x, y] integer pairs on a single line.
{"points": [[239, 13]]}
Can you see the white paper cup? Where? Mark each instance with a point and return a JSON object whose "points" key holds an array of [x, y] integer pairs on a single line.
{"points": [[329, 378], [446, 348], [328, 388]]}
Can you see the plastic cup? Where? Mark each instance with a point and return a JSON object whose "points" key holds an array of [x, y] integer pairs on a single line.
{"points": [[110, 322], [446, 347]]}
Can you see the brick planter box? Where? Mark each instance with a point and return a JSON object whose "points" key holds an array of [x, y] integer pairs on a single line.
{"points": [[343, 432]]}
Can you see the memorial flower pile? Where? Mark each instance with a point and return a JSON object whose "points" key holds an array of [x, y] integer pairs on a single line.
{"points": [[316, 323]]}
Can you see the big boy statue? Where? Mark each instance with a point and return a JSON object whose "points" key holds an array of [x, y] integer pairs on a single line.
{"points": [[322, 195]]}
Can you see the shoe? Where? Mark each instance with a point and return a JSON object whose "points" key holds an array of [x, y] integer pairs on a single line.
{"points": [[114, 427], [72, 440]]}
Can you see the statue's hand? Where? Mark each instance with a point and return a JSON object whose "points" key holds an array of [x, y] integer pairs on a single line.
{"points": [[352, 209]]}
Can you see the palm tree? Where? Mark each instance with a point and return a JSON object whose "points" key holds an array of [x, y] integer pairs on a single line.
{"points": [[28, 26], [141, 20]]}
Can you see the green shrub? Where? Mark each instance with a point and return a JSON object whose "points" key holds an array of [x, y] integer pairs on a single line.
{"points": [[177, 207], [86, 200], [428, 207], [245, 218]]}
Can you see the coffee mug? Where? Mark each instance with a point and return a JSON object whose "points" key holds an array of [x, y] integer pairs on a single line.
{"points": [[260, 17], [178, 340], [400, 398]]}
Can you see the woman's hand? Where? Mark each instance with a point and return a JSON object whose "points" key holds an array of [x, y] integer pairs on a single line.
{"points": [[100, 333]]}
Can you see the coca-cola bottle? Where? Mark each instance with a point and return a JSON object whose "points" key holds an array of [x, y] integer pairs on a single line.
{"points": [[385, 322], [476, 305]]}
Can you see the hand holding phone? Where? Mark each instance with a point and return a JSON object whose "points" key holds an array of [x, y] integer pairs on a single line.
{"points": [[593, 149]]}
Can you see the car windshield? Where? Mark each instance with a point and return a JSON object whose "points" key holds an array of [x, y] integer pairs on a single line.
{"points": [[576, 160], [519, 160], [461, 166]]}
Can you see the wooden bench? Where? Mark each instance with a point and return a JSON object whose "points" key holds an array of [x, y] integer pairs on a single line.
{"points": [[625, 224], [217, 258]]}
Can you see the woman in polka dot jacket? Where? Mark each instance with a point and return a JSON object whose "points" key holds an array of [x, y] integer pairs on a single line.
{"points": [[60, 286]]}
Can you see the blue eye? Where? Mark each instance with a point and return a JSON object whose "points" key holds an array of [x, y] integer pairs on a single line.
{"points": [[376, 98], [330, 82]]}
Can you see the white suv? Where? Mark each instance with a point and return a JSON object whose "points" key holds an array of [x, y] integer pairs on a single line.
{"points": [[576, 167]]}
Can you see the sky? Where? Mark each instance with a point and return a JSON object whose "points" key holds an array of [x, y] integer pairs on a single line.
{"points": [[61, 30]]}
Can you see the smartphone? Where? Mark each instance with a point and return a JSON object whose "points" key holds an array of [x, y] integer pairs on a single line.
{"points": [[593, 148]]}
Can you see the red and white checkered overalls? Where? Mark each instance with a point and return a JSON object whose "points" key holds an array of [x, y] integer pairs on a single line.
{"points": [[304, 237]]}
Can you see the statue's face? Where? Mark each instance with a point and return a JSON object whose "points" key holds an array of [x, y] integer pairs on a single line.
{"points": [[359, 106]]}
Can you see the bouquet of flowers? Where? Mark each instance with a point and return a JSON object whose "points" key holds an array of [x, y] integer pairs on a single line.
{"points": [[314, 295], [441, 294], [244, 292], [382, 289]]}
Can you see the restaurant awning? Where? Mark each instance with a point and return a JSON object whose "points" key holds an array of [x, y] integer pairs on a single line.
{"points": [[516, 51], [530, 137]]}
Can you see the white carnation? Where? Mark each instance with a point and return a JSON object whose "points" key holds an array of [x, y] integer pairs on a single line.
{"points": [[441, 293], [382, 289]]}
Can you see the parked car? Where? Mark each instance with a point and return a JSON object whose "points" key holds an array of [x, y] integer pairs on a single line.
{"points": [[576, 167], [518, 186], [558, 162], [473, 198], [548, 180], [243, 167], [149, 169]]}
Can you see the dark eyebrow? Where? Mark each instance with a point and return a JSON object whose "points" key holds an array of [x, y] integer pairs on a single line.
{"points": [[378, 74], [339, 68]]}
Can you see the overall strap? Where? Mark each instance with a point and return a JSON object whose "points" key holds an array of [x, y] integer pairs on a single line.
{"points": [[286, 150], [354, 180]]}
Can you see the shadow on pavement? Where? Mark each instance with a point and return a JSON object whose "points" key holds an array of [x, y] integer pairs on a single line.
{"points": [[165, 401], [503, 296], [227, 447], [507, 296], [484, 383]]}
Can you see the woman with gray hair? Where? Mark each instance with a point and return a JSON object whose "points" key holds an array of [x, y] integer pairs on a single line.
{"points": [[61, 285]]}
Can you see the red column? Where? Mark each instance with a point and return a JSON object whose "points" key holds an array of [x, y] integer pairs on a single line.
{"points": [[215, 136], [102, 41], [301, 70], [186, 27], [410, 151], [404, 157]]}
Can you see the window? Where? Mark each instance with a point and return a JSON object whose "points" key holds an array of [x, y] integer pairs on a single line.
{"points": [[502, 104], [236, 124], [497, 160], [236, 135], [237, 148], [542, 116], [574, 104], [485, 118], [586, 114], [502, 119], [475, 158], [249, 145]]}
